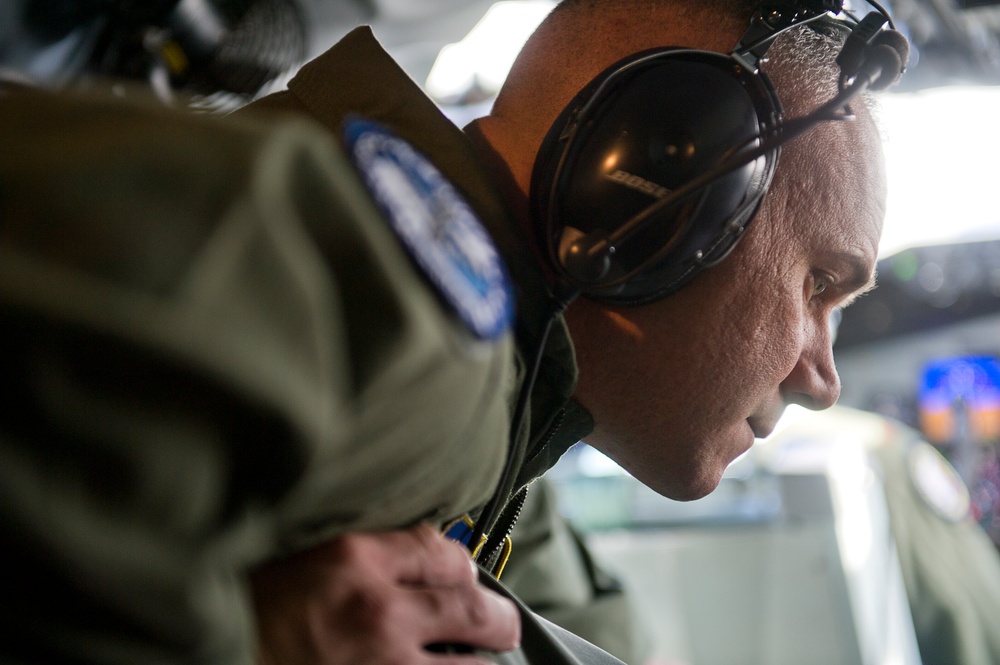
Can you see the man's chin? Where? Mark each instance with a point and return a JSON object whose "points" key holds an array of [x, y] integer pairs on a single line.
{"points": [[700, 489], [690, 476], [701, 477], [692, 487]]}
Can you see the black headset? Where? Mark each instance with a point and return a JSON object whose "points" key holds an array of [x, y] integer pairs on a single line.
{"points": [[656, 168]]}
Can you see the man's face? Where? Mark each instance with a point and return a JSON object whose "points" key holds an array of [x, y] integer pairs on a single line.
{"points": [[681, 387]]}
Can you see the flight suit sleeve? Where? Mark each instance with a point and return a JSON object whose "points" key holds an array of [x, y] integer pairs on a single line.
{"points": [[950, 566], [215, 351]]}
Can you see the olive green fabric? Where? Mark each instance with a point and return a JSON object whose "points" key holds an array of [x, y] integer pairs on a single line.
{"points": [[544, 642], [369, 84], [214, 351], [553, 572], [951, 568], [217, 352], [356, 77]]}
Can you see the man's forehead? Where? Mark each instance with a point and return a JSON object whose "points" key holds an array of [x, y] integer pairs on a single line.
{"points": [[838, 164], [829, 194]]}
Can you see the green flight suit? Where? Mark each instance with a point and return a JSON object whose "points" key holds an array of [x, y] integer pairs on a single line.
{"points": [[216, 352], [552, 570], [950, 566], [357, 77], [594, 605]]}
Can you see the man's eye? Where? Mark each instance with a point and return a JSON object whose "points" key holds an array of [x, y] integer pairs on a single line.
{"points": [[820, 283]]}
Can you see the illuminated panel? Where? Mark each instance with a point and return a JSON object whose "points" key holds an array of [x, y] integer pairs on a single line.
{"points": [[959, 399]]}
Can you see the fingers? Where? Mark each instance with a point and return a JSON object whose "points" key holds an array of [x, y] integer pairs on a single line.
{"points": [[419, 555], [436, 560], [451, 660], [458, 614], [451, 605], [380, 598], [466, 615]]}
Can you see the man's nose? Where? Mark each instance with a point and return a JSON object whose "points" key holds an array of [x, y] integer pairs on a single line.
{"points": [[814, 382]]}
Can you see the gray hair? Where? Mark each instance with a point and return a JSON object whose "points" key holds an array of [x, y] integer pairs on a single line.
{"points": [[803, 64]]}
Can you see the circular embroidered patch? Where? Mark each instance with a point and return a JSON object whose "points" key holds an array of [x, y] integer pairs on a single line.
{"points": [[938, 483], [436, 226]]}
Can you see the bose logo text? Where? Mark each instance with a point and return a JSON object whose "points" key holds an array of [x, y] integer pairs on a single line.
{"points": [[638, 183]]}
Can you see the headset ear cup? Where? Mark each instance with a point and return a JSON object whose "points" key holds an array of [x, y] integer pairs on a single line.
{"points": [[546, 168], [897, 41], [644, 128], [889, 64], [892, 52]]}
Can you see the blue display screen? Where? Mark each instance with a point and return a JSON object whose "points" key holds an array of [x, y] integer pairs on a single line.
{"points": [[960, 398]]}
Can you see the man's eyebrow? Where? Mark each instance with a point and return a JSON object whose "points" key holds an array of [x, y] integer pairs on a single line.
{"points": [[860, 278]]}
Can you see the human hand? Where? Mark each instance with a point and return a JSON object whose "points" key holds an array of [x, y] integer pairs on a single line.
{"points": [[378, 599]]}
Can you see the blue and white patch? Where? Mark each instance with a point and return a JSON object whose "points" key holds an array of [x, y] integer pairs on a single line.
{"points": [[437, 227]]}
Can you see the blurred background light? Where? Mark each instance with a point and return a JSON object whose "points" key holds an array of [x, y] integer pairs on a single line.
{"points": [[474, 68], [942, 149]]}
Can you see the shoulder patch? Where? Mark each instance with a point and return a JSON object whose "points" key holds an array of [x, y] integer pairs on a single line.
{"points": [[436, 226], [938, 483]]}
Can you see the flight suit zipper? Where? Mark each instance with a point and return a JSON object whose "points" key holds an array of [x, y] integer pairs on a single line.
{"points": [[494, 552]]}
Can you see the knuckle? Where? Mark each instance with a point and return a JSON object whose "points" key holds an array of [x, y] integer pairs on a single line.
{"points": [[486, 615], [438, 603], [351, 549], [427, 538], [475, 606], [370, 610], [458, 556], [444, 559]]}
